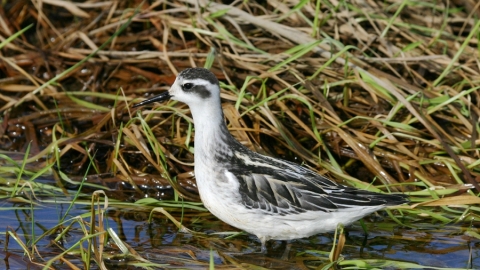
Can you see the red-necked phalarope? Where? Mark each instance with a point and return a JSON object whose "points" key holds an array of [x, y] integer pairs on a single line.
{"points": [[268, 197]]}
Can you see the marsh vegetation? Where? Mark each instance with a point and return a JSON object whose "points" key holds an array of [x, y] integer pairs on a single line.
{"points": [[381, 95]]}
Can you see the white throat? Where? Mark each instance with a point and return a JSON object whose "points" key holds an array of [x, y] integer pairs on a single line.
{"points": [[209, 128]]}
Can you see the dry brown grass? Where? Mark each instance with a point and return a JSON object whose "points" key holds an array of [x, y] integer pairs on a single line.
{"points": [[389, 88]]}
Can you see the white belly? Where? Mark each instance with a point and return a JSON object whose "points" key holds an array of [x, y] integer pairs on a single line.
{"points": [[219, 194]]}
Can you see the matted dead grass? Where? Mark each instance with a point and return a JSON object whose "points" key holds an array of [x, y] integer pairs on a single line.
{"points": [[377, 94]]}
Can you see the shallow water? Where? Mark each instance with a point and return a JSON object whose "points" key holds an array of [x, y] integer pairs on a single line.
{"points": [[161, 241]]}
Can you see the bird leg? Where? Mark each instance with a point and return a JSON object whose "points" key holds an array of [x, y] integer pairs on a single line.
{"points": [[263, 240]]}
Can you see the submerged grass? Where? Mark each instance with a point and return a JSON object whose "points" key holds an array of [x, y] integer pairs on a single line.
{"points": [[382, 96]]}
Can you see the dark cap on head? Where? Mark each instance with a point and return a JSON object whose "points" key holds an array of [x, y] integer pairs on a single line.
{"points": [[195, 73]]}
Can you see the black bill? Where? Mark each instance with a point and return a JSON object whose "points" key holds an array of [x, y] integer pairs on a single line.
{"points": [[158, 98]]}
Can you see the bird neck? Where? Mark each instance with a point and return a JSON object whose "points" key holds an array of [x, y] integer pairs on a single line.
{"points": [[211, 133]]}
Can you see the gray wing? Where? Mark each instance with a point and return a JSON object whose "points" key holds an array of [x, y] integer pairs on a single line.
{"points": [[281, 187]]}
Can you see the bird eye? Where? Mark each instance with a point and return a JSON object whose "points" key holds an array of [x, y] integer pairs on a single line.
{"points": [[187, 86]]}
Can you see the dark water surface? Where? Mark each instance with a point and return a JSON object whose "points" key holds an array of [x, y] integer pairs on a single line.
{"points": [[161, 241]]}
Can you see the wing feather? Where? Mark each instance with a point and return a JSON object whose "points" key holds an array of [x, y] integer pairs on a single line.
{"points": [[282, 187]]}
